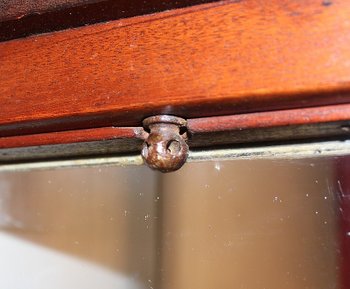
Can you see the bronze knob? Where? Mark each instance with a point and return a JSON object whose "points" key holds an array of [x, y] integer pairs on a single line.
{"points": [[165, 148]]}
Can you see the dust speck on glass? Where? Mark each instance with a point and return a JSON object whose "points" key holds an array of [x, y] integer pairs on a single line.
{"points": [[214, 224]]}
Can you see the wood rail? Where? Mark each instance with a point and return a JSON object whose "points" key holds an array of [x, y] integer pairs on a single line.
{"points": [[287, 125], [215, 59]]}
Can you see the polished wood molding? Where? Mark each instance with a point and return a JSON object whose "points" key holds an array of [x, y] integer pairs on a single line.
{"points": [[252, 128], [207, 60], [75, 136], [284, 125], [71, 144], [282, 118]]}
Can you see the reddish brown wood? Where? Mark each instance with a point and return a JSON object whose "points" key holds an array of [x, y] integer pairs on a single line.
{"points": [[71, 144], [290, 117], [285, 125], [213, 59], [68, 137], [327, 121]]}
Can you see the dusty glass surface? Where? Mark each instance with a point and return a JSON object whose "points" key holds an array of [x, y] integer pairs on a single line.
{"points": [[251, 224]]}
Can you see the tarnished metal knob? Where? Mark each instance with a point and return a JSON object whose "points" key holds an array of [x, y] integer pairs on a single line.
{"points": [[165, 148]]}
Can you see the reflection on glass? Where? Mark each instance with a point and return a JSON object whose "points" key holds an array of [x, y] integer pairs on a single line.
{"points": [[231, 224], [77, 228]]}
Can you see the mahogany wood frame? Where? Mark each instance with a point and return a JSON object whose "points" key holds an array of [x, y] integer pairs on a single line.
{"points": [[215, 59], [238, 71], [230, 61]]}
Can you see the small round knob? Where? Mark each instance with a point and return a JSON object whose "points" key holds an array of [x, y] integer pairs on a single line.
{"points": [[165, 149]]}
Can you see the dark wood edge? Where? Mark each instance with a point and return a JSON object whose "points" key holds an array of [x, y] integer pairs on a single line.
{"points": [[73, 136], [75, 150], [259, 136], [291, 124], [254, 128], [34, 17], [288, 117]]}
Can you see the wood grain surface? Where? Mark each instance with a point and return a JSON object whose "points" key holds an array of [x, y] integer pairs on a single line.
{"points": [[213, 59]]}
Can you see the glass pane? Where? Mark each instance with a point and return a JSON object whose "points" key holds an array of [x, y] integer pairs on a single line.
{"points": [[251, 224], [218, 224], [78, 228]]}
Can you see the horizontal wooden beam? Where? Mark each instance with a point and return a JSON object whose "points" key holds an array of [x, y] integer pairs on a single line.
{"points": [[287, 125], [214, 59], [74, 136], [282, 118], [78, 143], [284, 125]]}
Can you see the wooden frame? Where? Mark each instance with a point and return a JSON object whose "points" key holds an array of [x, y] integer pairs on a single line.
{"points": [[241, 73], [244, 129], [69, 93], [215, 59]]}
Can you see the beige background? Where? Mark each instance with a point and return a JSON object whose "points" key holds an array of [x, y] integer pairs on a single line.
{"points": [[250, 225], [229, 224]]}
